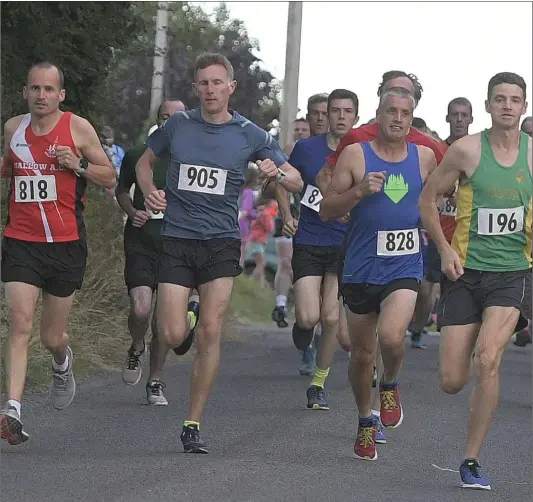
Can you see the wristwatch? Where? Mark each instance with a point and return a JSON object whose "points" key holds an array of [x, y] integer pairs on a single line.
{"points": [[281, 175], [84, 164]]}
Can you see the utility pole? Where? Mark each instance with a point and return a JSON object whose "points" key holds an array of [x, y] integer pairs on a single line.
{"points": [[160, 57], [289, 105]]}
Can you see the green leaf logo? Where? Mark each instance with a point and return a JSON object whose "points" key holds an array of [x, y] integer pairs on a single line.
{"points": [[396, 188]]}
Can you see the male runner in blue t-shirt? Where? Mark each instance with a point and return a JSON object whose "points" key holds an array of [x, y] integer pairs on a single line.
{"points": [[209, 150], [316, 245], [379, 183]]}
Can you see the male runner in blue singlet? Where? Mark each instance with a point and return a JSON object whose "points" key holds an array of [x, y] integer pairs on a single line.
{"points": [[209, 148], [317, 244], [379, 183]]}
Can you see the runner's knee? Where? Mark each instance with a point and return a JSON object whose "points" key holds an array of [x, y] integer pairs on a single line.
{"points": [[452, 380], [21, 325], [172, 334], [141, 309], [208, 333]]}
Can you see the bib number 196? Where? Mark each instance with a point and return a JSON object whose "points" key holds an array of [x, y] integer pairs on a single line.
{"points": [[35, 188], [500, 221], [398, 242]]}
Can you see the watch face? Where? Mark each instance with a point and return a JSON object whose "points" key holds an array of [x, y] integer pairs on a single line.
{"points": [[84, 163]]}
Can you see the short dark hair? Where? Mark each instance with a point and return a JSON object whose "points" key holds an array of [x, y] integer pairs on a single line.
{"points": [[389, 75], [46, 65], [459, 101], [315, 99], [527, 119], [506, 78], [213, 58], [419, 123], [344, 94], [166, 100], [301, 119]]}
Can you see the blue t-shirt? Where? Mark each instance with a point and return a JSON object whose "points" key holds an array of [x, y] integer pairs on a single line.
{"points": [[206, 171], [309, 156], [383, 239]]}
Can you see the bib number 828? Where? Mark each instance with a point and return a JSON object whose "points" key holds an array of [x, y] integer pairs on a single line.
{"points": [[398, 242]]}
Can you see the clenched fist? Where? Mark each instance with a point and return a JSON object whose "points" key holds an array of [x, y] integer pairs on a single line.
{"points": [[66, 158], [372, 183], [156, 200], [268, 169]]}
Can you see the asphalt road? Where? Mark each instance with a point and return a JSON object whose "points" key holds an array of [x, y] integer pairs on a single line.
{"points": [[264, 444]]}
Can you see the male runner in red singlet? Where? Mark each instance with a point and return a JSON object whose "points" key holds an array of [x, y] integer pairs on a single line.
{"points": [[49, 156]]}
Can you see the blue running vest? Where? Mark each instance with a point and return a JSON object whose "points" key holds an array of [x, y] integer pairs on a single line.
{"points": [[383, 239]]}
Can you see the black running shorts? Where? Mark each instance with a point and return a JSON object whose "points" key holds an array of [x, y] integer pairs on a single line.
{"points": [[367, 298], [463, 301], [55, 267], [141, 258], [192, 262], [314, 261]]}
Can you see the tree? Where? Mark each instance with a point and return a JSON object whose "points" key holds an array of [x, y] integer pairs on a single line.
{"points": [[190, 32], [83, 38]]}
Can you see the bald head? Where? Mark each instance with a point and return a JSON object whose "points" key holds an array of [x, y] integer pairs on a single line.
{"points": [[51, 68], [168, 108]]}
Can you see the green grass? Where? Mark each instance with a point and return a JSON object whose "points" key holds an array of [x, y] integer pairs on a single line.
{"points": [[98, 321]]}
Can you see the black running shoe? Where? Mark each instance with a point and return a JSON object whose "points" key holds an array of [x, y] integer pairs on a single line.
{"points": [[182, 349], [302, 338], [279, 316], [316, 398], [190, 437]]}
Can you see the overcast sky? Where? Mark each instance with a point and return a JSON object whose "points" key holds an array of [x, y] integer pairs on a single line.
{"points": [[454, 48]]}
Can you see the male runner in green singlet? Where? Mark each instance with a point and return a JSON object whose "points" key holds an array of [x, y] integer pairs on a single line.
{"points": [[486, 294]]}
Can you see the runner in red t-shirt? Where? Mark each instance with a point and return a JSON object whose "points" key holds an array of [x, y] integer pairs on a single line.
{"points": [[49, 156], [459, 117], [369, 132]]}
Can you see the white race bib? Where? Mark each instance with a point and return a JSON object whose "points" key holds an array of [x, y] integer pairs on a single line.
{"points": [[448, 209], [154, 215], [35, 188], [312, 198], [208, 180], [398, 242], [500, 221]]}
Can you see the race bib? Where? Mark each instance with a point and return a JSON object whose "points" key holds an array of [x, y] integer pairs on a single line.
{"points": [[201, 179], [448, 209], [312, 198], [398, 242], [154, 215], [500, 221], [35, 188]]}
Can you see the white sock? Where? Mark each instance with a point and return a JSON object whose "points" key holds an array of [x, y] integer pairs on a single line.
{"points": [[194, 298], [15, 404], [376, 413], [281, 301], [60, 368]]}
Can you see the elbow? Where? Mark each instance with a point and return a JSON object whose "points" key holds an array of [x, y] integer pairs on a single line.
{"points": [[110, 180]]}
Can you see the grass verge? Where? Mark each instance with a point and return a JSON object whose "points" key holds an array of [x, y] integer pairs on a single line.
{"points": [[98, 321]]}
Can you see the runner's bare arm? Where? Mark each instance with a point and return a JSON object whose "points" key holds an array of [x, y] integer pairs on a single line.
{"points": [[283, 199], [441, 182], [9, 129], [428, 162], [323, 178], [343, 192], [144, 173], [99, 171], [292, 180], [125, 182]]}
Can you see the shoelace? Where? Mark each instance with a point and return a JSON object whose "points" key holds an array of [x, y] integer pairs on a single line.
{"points": [[388, 401], [60, 380], [133, 360], [192, 434], [365, 436], [156, 388], [473, 468]]}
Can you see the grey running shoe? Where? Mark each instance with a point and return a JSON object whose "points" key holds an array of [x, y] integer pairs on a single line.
{"points": [[154, 393], [316, 398], [132, 368], [63, 387], [11, 427]]}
